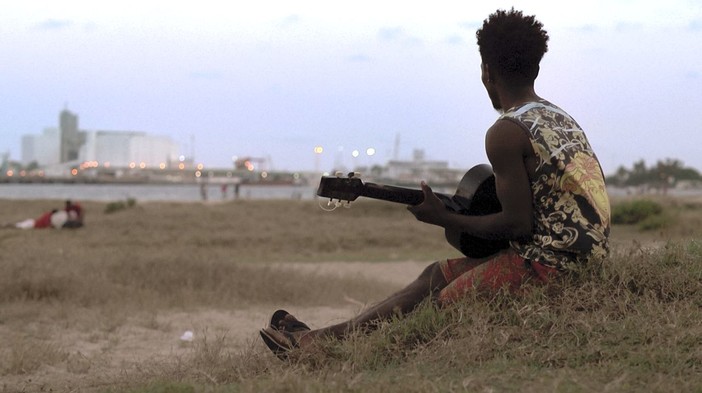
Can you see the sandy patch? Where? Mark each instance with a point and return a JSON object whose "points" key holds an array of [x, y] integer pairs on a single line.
{"points": [[96, 358]]}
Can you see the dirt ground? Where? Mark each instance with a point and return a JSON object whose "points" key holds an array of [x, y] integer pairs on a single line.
{"points": [[85, 345], [95, 361]]}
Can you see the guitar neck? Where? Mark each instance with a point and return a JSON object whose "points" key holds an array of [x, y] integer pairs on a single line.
{"points": [[405, 196]]}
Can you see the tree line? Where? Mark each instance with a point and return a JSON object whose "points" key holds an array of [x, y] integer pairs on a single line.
{"points": [[664, 174]]}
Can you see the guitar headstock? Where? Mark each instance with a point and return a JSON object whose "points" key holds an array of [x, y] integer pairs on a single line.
{"points": [[341, 188]]}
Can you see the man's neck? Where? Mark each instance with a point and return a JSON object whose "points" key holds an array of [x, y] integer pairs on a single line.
{"points": [[512, 98]]}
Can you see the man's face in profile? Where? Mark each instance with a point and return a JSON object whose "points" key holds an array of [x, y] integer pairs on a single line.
{"points": [[490, 87]]}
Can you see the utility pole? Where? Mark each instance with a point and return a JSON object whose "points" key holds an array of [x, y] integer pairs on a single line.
{"points": [[396, 150]]}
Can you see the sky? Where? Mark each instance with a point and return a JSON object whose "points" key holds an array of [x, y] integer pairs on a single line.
{"points": [[275, 79]]}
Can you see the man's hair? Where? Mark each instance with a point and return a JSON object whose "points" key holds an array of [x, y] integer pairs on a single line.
{"points": [[512, 45]]}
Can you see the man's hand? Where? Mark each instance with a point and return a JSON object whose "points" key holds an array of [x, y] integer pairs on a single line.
{"points": [[431, 210]]}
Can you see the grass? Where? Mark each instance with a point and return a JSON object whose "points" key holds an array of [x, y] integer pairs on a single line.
{"points": [[630, 323]]}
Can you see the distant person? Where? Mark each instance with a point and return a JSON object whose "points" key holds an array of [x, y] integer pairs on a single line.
{"points": [[236, 190], [75, 215], [51, 219], [203, 191], [555, 210], [224, 189]]}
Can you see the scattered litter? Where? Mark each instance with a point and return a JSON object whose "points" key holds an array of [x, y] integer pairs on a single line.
{"points": [[187, 336]]}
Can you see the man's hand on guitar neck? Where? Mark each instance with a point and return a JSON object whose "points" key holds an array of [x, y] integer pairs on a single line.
{"points": [[432, 210]]}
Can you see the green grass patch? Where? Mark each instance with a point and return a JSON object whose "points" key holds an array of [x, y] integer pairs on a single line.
{"points": [[635, 211], [112, 207]]}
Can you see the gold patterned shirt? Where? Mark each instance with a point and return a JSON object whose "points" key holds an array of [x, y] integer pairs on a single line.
{"points": [[570, 201]]}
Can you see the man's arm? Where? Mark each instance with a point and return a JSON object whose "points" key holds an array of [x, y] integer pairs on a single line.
{"points": [[507, 148]]}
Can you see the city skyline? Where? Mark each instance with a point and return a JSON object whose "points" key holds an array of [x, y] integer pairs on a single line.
{"points": [[277, 79], [355, 158], [59, 151]]}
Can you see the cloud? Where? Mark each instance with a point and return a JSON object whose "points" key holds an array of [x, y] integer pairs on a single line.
{"points": [[624, 27], [588, 28], [205, 75], [398, 34], [455, 40], [290, 20], [358, 58], [390, 33], [695, 25], [54, 24], [471, 25]]}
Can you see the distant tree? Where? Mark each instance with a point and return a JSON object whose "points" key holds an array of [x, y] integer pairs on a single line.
{"points": [[666, 173], [639, 174], [619, 178], [688, 174], [32, 166]]}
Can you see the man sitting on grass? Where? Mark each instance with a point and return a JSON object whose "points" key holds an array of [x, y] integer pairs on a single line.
{"points": [[555, 208]]}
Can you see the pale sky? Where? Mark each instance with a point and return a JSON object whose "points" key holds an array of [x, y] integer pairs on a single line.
{"points": [[274, 79]]}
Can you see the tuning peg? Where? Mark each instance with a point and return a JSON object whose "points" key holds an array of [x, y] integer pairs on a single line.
{"points": [[354, 175], [338, 174], [333, 204]]}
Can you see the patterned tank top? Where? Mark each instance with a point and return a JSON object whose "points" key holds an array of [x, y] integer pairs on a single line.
{"points": [[571, 205]]}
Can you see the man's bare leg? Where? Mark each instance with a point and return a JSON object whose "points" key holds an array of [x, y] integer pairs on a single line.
{"points": [[429, 282]]}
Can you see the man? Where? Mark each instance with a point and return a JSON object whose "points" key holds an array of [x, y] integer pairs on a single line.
{"points": [[555, 208]]}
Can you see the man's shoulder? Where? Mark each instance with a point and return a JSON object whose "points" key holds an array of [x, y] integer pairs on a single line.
{"points": [[531, 106], [505, 127], [507, 135]]}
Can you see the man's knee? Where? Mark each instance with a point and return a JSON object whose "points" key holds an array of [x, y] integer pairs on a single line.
{"points": [[433, 277]]}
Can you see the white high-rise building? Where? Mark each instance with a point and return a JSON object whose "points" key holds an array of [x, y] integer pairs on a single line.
{"points": [[44, 149], [123, 149]]}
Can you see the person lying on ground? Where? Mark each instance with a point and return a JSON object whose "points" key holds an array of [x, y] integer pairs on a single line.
{"points": [[51, 219]]}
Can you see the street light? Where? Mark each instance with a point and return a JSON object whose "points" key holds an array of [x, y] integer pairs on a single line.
{"points": [[318, 150]]}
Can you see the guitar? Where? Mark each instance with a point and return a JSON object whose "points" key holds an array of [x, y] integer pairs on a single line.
{"points": [[475, 196]]}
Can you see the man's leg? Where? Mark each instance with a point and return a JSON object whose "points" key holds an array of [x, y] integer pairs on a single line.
{"points": [[505, 270], [446, 281], [429, 283]]}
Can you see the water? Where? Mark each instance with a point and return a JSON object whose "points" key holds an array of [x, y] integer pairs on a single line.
{"points": [[189, 192], [151, 192]]}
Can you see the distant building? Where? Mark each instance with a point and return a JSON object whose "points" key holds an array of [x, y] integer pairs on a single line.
{"points": [[125, 149], [419, 168], [71, 137], [42, 149]]}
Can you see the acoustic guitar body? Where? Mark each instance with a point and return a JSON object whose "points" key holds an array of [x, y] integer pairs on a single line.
{"points": [[476, 196]]}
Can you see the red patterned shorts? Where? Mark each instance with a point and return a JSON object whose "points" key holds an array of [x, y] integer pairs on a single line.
{"points": [[490, 275]]}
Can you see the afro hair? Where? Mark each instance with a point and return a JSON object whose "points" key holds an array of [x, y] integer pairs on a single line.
{"points": [[512, 45]]}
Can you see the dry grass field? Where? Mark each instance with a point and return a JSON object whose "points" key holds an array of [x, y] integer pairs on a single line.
{"points": [[103, 308]]}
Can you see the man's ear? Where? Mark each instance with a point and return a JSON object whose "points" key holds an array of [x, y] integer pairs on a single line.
{"points": [[486, 73], [487, 76]]}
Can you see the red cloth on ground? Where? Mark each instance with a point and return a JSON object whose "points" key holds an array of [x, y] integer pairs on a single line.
{"points": [[44, 221]]}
